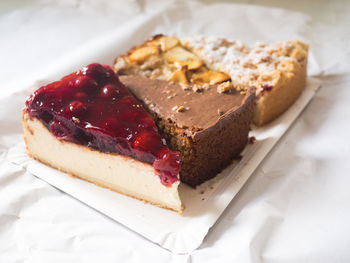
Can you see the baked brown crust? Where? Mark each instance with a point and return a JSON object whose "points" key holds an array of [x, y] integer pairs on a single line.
{"points": [[288, 86]]}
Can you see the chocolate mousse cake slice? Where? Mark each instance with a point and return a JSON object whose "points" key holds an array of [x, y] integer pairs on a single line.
{"points": [[208, 129], [89, 125]]}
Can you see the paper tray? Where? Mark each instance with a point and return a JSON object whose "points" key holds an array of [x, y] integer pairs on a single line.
{"points": [[204, 205]]}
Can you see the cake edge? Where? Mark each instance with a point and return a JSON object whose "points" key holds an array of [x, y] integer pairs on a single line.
{"points": [[287, 91], [28, 132]]}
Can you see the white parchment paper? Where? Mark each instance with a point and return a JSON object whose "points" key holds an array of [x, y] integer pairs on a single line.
{"points": [[204, 205]]}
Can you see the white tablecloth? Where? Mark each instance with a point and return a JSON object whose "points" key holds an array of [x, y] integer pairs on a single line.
{"points": [[295, 208]]}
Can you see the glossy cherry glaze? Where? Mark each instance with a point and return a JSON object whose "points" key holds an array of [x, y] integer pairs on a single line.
{"points": [[92, 107]]}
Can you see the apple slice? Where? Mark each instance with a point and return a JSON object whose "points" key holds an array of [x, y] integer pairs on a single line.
{"points": [[165, 42], [180, 77], [181, 56], [139, 55], [210, 77]]}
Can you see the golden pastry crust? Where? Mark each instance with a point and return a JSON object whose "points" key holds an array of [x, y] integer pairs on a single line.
{"points": [[287, 87]]}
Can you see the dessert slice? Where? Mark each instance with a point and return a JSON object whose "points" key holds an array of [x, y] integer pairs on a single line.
{"points": [[208, 128], [278, 71], [200, 114], [90, 126]]}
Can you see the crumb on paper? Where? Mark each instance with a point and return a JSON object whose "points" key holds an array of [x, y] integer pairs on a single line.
{"points": [[251, 140]]}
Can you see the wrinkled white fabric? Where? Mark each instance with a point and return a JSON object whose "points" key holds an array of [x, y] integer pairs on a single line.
{"points": [[294, 208]]}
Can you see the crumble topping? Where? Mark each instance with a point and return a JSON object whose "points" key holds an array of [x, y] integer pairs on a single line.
{"points": [[198, 62], [165, 58]]}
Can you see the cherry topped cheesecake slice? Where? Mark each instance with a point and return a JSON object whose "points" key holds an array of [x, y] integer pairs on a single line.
{"points": [[89, 125]]}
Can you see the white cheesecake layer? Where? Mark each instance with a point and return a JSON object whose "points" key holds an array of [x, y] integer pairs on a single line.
{"points": [[116, 172]]}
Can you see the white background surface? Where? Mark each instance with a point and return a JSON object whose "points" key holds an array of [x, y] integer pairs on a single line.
{"points": [[295, 208]]}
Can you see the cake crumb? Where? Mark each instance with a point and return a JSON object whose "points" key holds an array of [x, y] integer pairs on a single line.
{"points": [[224, 87], [237, 158], [197, 88], [147, 101], [181, 109], [220, 112], [251, 140], [184, 86], [76, 120]]}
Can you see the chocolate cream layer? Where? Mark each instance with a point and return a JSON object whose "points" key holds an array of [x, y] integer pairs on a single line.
{"points": [[194, 111]]}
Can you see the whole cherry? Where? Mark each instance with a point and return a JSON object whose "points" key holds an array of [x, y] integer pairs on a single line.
{"points": [[96, 71], [109, 91], [75, 108], [146, 144], [85, 83]]}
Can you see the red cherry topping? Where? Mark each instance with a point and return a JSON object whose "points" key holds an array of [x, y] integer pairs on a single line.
{"points": [[77, 107], [85, 83], [109, 91], [168, 163], [59, 129], [93, 108], [82, 96], [147, 144]]}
